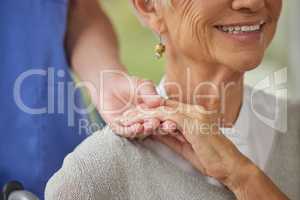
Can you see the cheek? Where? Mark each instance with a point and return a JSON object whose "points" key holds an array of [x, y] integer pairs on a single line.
{"points": [[274, 7], [193, 33]]}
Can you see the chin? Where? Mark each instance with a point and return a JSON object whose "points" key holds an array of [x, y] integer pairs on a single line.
{"points": [[245, 62]]}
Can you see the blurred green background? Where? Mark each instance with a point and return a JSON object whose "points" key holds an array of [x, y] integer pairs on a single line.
{"points": [[137, 44]]}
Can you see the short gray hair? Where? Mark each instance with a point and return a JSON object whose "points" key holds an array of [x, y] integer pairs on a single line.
{"points": [[166, 3]]}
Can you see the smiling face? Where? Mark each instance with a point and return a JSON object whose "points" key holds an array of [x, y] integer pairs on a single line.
{"points": [[234, 33]]}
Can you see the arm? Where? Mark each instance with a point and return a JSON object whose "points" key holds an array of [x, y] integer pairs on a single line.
{"points": [[91, 42], [254, 184], [92, 47]]}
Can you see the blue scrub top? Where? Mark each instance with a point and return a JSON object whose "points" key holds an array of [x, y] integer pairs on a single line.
{"points": [[37, 125]]}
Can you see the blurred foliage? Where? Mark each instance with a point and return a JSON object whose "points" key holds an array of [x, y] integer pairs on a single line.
{"points": [[137, 42]]}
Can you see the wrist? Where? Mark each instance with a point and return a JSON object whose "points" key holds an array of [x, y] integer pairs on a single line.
{"points": [[243, 174]]}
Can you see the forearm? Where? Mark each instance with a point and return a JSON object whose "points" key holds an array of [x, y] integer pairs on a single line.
{"points": [[256, 185], [91, 42]]}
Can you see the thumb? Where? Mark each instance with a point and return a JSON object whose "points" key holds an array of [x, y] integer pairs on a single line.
{"points": [[148, 94]]}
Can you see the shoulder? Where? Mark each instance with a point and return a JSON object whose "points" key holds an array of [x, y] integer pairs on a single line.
{"points": [[104, 143], [102, 156]]}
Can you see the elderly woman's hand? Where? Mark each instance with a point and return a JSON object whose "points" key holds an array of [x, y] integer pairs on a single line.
{"points": [[206, 147]]}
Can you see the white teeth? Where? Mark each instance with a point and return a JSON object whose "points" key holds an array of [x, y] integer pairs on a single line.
{"points": [[239, 29], [231, 29], [245, 28]]}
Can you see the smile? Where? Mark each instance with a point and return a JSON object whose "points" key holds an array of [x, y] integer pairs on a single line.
{"points": [[238, 29]]}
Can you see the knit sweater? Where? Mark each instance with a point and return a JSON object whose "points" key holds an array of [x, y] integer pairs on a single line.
{"points": [[107, 167]]}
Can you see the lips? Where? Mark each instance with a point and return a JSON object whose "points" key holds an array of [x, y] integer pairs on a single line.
{"points": [[241, 28]]}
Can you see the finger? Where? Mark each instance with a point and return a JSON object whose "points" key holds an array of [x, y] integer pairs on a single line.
{"points": [[172, 103], [128, 132], [160, 132], [169, 126], [130, 112], [129, 120], [151, 125], [178, 135], [135, 115], [174, 133], [148, 94], [188, 108], [159, 113]]}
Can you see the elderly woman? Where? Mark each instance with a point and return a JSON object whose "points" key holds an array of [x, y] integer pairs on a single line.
{"points": [[219, 148]]}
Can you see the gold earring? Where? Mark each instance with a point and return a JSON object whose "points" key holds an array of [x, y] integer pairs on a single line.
{"points": [[159, 49]]}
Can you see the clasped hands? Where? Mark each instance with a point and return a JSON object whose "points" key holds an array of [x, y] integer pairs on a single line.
{"points": [[193, 133]]}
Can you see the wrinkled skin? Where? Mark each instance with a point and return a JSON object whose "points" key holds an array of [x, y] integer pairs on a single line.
{"points": [[205, 147], [189, 30]]}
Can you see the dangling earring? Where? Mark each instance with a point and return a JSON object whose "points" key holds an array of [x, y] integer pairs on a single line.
{"points": [[159, 49]]}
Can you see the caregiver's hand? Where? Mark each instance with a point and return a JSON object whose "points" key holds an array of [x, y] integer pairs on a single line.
{"points": [[210, 151], [122, 93]]}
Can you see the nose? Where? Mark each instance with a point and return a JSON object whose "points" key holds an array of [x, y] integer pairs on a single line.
{"points": [[248, 5]]}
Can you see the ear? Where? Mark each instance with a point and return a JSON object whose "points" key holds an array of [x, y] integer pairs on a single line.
{"points": [[151, 14]]}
